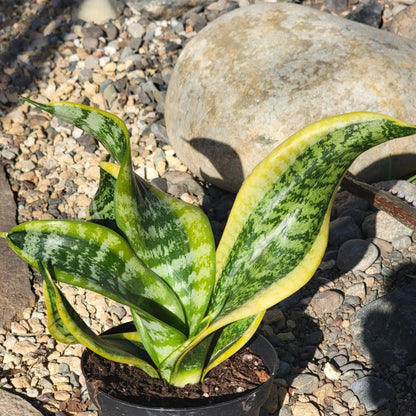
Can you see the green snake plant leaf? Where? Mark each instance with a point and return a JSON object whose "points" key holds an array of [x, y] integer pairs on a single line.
{"points": [[106, 127], [195, 362], [116, 349], [56, 326], [174, 239], [277, 231], [159, 339], [94, 257], [188, 367], [101, 209], [231, 338]]}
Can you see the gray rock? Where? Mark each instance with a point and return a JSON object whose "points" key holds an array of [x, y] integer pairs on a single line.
{"points": [[401, 243], [383, 330], [159, 130], [384, 226], [373, 392], [197, 21], [395, 256], [136, 30], [356, 255], [90, 43], [15, 289], [110, 94], [336, 6], [304, 383], [284, 369], [326, 301], [91, 62], [358, 289], [85, 75], [111, 31], [355, 366], [285, 411], [92, 31], [352, 300], [341, 230], [13, 405], [340, 360], [161, 8], [111, 48], [384, 246], [256, 75], [345, 202], [128, 54]]}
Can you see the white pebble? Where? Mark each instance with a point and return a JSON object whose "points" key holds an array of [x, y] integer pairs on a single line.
{"points": [[331, 372]]}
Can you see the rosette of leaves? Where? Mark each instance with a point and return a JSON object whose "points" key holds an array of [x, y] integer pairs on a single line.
{"points": [[193, 304]]}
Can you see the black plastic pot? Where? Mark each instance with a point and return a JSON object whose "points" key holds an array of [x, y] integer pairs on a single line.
{"points": [[248, 404]]}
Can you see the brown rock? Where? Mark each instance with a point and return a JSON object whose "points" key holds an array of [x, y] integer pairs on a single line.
{"points": [[325, 391], [15, 288], [326, 301], [305, 409], [274, 315], [403, 23], [13, 405]]}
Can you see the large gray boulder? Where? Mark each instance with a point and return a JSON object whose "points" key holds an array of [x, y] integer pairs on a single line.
{"points": [[258, 74]]}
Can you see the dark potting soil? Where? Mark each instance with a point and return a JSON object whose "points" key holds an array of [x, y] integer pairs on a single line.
{"points": [[241, 372]]}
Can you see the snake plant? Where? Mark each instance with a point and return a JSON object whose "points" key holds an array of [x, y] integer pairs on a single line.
{"points": [[193, 305]]}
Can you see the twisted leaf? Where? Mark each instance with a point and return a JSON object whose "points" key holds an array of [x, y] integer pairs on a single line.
{"points": [[277, 230], [109, 129]]}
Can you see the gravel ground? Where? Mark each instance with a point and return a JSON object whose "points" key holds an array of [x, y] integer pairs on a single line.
{"points": [[124, 67]]}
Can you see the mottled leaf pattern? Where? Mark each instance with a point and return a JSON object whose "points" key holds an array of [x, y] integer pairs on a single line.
{"points": [[101, 208], [280, 216], [231, 338], [158, 338], [94, 257], [201, 356], [174, 239]]}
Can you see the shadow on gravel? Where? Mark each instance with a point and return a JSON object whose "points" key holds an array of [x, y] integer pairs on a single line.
{"points": [[385, 334], [30, 53]]}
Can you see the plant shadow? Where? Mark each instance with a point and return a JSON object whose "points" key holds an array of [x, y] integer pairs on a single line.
{"points": [[27, 56], [223, 158], [384, 334]]}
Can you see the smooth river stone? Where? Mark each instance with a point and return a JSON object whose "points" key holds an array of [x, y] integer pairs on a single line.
{"points": [[258, 74]]}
